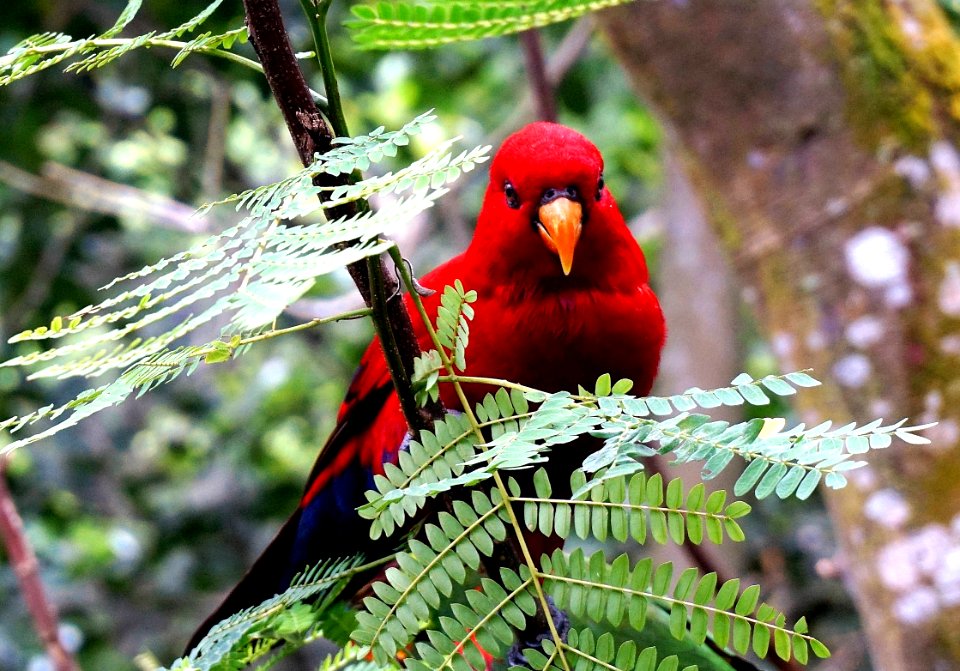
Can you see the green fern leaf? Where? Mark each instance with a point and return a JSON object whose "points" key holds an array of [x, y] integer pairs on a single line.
{"points": [[585, 584], [419, 25]]}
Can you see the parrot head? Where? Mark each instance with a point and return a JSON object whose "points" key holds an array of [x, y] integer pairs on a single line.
{"points": [[546, 205]]}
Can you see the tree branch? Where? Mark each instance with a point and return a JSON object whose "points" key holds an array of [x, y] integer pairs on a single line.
{"points": [[312, 135], [24, 563], [84, 191], [537, 73]]}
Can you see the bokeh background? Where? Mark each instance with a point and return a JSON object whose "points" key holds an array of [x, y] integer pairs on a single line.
{"points": [[789, 167]]}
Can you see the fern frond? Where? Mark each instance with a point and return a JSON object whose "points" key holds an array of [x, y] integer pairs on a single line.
{"points": [[624, 508], [794, 462], [438, 168], [615, 592], [489, 617], [418, 25], [39, 52], [428, 466], [440, 460], [453, 334], [286, 254], [102, 57], [790, 464], [348, 154], [247, 275], [82, 406], [252, 632], [557, 420], [453, 318], [743, 389], [601, 653], [209, 42], [413, 588]]}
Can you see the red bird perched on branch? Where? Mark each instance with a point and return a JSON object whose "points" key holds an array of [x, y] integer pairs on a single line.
{"points": [[563, 298]]}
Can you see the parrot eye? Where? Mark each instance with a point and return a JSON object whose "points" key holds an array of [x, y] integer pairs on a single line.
{"points": [[600, 188], [513, 198]]}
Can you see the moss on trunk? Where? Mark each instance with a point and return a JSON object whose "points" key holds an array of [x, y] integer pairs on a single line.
{"points": [[822, 135]]}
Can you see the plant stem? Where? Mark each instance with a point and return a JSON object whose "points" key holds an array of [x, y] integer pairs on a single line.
{"points": [[543, 612], [311, 135], [316, 11], [537, 73], [171, 44], [24, 563], [507, 384], [491, 381]]}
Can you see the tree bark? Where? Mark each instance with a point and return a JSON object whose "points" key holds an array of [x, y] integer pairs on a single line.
{"points": [[822, 135], [701, 349], [311, 135]]}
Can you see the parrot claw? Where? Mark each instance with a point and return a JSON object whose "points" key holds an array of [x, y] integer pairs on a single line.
{"points": [[560, 620]]}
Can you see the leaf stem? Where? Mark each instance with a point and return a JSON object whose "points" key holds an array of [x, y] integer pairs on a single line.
{"points": [[492, 381], [591, 658], [179, 45], [316, 12], [506, 384], [630, 507], [505, 495], [671, 600], [273, 333], [343, 316]]}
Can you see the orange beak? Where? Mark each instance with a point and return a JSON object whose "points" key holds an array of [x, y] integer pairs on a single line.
{"points": [[560, 222]]}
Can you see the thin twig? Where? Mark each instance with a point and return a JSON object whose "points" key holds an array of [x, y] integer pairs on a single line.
{"points": [[543, 96], [564, 57], [316, 12], [25, 566], [45, 271], [213, 156], [81, 190]]}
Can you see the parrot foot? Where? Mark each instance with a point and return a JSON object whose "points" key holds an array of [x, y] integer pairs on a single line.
{"points": [[560, 620]]}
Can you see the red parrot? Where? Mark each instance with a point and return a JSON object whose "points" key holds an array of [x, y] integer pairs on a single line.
{"points": [[563, 297]]}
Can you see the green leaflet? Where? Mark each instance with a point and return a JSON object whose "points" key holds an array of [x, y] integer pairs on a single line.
{"points": [[633, 508], [419, 25], [248, 274], [586, 585], [589, 651], [39, 52], [251, 633], [432, 570]]}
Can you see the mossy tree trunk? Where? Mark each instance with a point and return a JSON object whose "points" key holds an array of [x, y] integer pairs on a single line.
{"points": [[823, 137]]}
